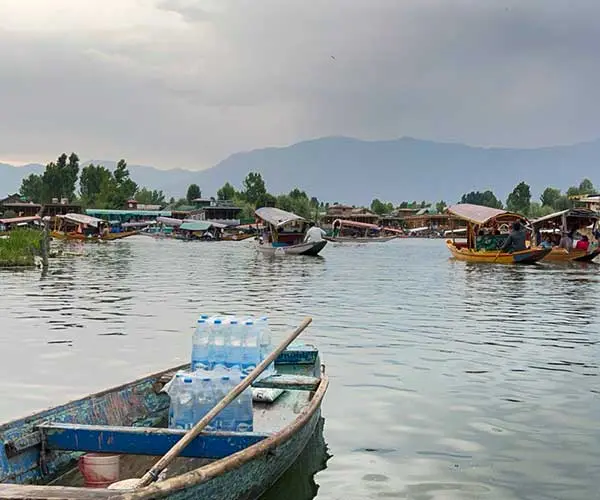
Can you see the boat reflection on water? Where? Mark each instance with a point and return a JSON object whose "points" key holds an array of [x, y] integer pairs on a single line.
{"points": [[298, 482]]}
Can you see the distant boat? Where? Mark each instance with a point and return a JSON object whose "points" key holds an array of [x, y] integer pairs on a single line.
{"points": [[487, 248], [285, 233], [559, 223], [81, 227], [349, 231], [40, 452]]}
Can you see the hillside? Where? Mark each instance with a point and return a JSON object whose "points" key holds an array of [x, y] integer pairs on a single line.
{"points": [[355, 171]]}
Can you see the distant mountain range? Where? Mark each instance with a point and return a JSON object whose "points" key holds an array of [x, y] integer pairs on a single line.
{"points": [[355, 171]]}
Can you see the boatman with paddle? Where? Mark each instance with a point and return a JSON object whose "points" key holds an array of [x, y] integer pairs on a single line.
{"points": [[314, 234], [516, 239]]}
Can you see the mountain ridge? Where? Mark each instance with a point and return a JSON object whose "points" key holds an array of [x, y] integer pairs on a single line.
{"points": [[349, 170]]}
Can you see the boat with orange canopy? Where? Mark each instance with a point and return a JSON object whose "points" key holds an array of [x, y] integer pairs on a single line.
{"points": [[487, 230], [349, 231]]}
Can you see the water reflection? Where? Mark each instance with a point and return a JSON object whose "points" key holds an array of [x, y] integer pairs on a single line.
{"points": [[298, 482]]}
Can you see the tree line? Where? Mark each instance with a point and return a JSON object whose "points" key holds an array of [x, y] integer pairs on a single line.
{"points": [[98, 186]]}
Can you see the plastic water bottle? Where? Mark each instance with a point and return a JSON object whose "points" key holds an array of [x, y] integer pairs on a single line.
{"points": [[204, 397], [234, 357], [243, 410], [219, 349], [184, 417], [224, 420], [200, 346], [173, 392], [250, 347], [265, 342]]}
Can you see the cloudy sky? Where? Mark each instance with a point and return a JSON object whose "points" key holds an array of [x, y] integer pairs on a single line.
{"points": [[185, 83]]}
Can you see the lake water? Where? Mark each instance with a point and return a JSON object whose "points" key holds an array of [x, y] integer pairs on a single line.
{"points": [[448, 380]]}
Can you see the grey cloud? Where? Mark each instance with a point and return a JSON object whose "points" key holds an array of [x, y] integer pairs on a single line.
{"points": [[248, 74]]}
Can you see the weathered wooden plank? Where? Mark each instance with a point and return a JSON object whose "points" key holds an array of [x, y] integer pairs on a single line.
{"points": [[143, 440], [289, 382]]}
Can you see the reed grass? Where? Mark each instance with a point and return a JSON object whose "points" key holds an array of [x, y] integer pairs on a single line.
{"points": [[20, 248]]}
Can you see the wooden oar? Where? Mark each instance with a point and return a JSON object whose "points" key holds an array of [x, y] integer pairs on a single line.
{"points": [[497, 255], [163, 463]]}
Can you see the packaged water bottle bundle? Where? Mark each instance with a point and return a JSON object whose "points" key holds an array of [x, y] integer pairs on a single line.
{"points": [[224, 350]]}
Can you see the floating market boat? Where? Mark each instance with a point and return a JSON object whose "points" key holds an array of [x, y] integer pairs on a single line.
{"points": [[349, 231], [487, 247], [81, 227], [39, 453], [285, 233], [553, 226]]}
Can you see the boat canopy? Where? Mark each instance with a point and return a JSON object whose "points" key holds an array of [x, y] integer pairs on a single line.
{"points": [[419, 229], [218, 225], [393, 230], [351, 223], [478, 214], [20, 220], [276, 216], [168, 221], [83, 219], [196, 225], [579, 213]]}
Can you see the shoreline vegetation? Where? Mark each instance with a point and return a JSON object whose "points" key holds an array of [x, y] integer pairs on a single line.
{"points": [[22, 248]]}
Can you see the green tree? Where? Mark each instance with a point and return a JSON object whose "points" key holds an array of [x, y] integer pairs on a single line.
{"points": [[32, 188], [538, 210], [193, 192], [486, 199], [94, 181], [381, 208], [124, 187], [255, 189], [550, 196], [520, 199], [227, 192], [150, 197], [586, 187], [441, 206]]}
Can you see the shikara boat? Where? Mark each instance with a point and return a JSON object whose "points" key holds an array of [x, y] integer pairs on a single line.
{"points": [[284, 234], [81, 227], [7, 224], [349, 231], [39, 453], [486, 248], [564, 222]]}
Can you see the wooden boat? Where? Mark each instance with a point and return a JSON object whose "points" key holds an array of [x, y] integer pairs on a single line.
{"points": [[39, 452], [237, 237], [285, 234], [8, 224], [349, 231], [487, 248], [79, 227], [567, 221]]}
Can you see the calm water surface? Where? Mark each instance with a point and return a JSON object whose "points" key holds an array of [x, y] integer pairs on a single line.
{"points": [[448, 380]]}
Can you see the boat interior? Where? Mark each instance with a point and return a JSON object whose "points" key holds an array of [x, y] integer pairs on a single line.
{"points": [[131, 421]]}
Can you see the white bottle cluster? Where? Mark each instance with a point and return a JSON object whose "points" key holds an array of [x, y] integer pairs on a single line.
{"points": [[224, 350]]}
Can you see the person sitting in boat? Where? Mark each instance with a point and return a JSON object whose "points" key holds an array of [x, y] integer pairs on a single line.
{"points": [[583, 243], [314, 234], [336, 228], [546, 242], [516, 239], [566, 241]]}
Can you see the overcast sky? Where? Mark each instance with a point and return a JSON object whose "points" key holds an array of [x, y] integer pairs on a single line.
{"points": [[185, 83]]}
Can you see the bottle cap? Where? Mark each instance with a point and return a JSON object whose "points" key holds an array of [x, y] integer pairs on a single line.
{"points": [[218, 321]]}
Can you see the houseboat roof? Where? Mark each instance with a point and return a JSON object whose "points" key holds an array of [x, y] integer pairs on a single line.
{"points": [[130, 213], [82, 219], [19, 220], [478, 214], [580, 213], [276, 216], [352, 223]]}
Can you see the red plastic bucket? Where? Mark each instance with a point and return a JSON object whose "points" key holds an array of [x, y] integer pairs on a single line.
{"points": [[99, 470]]}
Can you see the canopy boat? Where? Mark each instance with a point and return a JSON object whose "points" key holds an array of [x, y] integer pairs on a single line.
{"points": [[553, 226], [86, 228], [349, 231], [39, 453], [285, 233], [7, 224], [487, 247]]}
